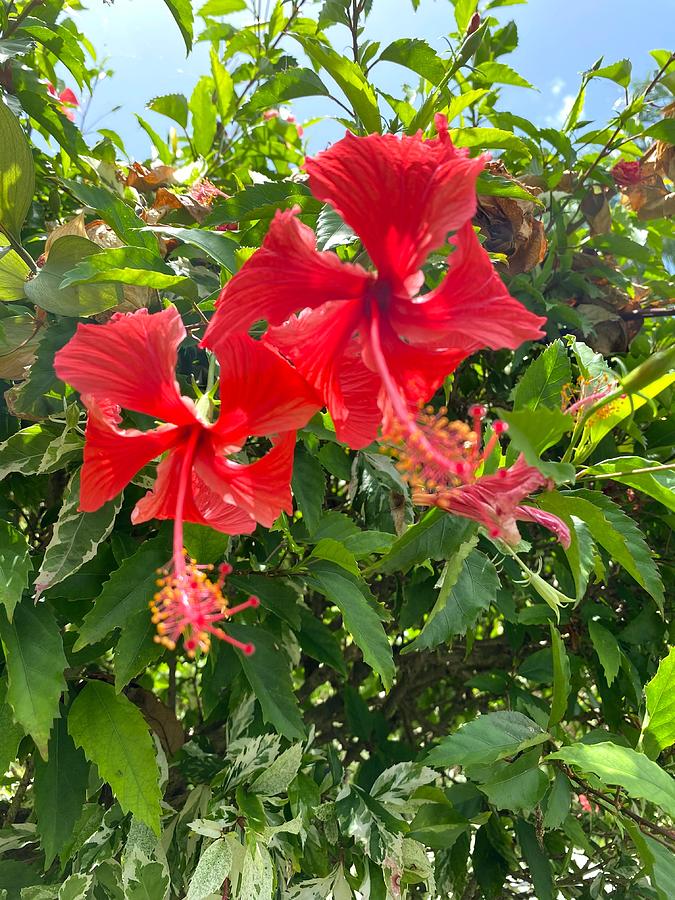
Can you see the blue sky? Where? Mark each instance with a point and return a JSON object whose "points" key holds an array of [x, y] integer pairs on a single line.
{"points": [[558, 40]]}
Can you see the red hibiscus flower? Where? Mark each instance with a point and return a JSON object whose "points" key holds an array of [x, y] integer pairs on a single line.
{"points": [[447, 475], [371, 337], [130, 362], [69, 102]]}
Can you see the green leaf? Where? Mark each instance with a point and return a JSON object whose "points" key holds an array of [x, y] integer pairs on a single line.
{"points": [[659, 484], [416, 55], [17, 174], [464, 9], [10, 48], [660, 693], [518, 785], [268, 672], [261, 201], [615, 766], [136, 648], [438, 825], [500, 73], [75, 538], [544, 379], [60, 789], [436, 536], [15, 567], [335, 551], [115, 213], [59, 41], [76, 887], [580, 554], [126, 594], [224, 87], [561, 678], [23, 452], [173, 106], [287, 85], [613, 530], [276, 778], [332, 232], [182, 12], [128, 265], [35, 665], [557, 802], [47, 291], [212, 870], [115, 737], [203, 112], [309, 486], [487, 138], [160, 145], [490, 185], [349, 78], [532, 435], [13, 273], [619, 72], [469, 585], [620, 409], [221, 7], [622, 246], [657, 859], [42, 393], [662, 131], [318, 641], [607, 648], [360, 619], [537, 861], [486, 739], [219, 247], [46, 114], [150, 882], [10, 732]]}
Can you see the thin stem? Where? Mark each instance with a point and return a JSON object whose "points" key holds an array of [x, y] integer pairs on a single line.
{"points": [[17, 799], [605, 150], [642, 471], [25, 12], [19, 250]]}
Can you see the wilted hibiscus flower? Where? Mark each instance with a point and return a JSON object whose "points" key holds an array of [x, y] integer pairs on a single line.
{"points": [[130, 363], [449, 476], [368, 339]]}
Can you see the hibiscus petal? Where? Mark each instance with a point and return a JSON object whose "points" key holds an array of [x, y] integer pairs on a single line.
{"points": [[548, 520], [418, 371], [112, 456], [493, 500], [261, 489], [260, 393], [201, 505], [130, 361], [402, 196], [286, 274], [320, 344], [470, 309]]}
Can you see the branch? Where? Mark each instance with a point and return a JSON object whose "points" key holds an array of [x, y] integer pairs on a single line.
{"points": [[605, 150]]}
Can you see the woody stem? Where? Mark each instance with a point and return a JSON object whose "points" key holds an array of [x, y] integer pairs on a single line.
{"points": [[183, 480]]}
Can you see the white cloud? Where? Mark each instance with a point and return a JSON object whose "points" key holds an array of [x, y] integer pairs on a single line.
{"points": [[556, 86]]}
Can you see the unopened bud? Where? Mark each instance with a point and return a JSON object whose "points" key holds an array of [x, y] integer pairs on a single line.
{"points": [[474, 24]]}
